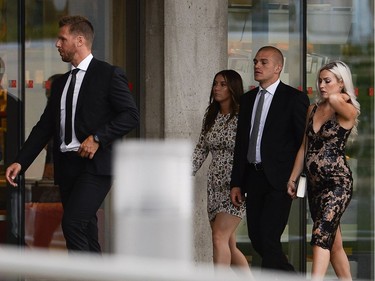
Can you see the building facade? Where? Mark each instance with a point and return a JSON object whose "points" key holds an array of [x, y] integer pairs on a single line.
{"points": [[170, 50]]}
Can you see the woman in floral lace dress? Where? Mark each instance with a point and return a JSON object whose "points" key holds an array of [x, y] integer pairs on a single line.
{"points": [[330, 121], [218, 137]]}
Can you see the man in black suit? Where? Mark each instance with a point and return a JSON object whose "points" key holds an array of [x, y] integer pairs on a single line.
{"points": [[261, 168], [103, 111]]}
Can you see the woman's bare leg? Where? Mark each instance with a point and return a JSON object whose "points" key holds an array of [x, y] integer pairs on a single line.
{"points": [[321, 258], [339, 259], [225, 251]]}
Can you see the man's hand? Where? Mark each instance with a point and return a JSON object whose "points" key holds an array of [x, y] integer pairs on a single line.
{"points": [[88, 148], [12, 172], [236, 196]]}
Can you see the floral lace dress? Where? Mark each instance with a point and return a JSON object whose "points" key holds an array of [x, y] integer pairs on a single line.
{"points": [[220, 141], [330, 182]]}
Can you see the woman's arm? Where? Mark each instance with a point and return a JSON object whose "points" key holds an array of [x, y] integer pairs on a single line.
{"points": [[299, 161], [345, 110]]}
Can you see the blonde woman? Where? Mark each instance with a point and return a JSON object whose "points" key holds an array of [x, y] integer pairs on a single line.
{"points": [[330, 121]]}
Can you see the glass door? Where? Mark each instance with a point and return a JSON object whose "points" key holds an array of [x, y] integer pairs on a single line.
{"points": [[11, 104], [43, 209], [251, 25], [310, 36], [344, 30]]}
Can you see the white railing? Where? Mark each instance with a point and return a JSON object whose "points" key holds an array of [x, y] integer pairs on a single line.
{"points": [[152, 216], [55, 265]]}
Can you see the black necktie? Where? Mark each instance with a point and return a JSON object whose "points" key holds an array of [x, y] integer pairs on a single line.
{"points": [[68, 108], [251, 153]]}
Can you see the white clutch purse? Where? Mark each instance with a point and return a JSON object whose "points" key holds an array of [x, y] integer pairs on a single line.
{"points": [[301, 186]]}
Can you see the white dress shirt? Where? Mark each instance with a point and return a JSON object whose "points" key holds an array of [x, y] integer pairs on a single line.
{"points": [[266, 106], [74, 145]]}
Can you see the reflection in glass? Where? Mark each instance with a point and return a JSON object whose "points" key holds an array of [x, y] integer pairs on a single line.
{"points": [[335, 29], [251, 25], [344, 30]]}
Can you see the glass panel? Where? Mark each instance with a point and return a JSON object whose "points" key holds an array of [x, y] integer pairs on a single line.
{"points": [[251, 25], [43, 210], [336, 29], [10, 116], [344, 29]]}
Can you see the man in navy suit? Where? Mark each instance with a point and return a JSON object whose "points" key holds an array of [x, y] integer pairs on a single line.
{"points": [[103, 111], [263, 174]]}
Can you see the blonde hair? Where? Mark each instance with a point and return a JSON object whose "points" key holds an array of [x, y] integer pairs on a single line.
{"points": [[342, 72]]}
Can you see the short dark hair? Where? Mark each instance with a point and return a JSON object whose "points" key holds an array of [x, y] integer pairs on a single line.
{"points": [[79, 25], [278, 53]]}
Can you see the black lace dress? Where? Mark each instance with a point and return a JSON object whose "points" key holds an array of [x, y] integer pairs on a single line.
{"points": [[330, 182]]}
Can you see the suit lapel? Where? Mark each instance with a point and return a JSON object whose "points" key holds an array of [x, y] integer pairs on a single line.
{"points": [[85, 83]]}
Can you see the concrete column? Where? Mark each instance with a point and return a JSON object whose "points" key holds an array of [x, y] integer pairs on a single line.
{"points": [[152, 70], [195, 49]]}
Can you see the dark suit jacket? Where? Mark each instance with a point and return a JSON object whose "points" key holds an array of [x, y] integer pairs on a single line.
{"points": [[105, 107], [281, 139]]}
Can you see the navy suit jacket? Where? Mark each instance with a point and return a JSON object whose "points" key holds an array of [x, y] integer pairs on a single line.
{"points": [[105, 107], [281, 139]]}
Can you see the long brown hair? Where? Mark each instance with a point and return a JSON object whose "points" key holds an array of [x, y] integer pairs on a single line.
{"points": [[235, 87]]}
